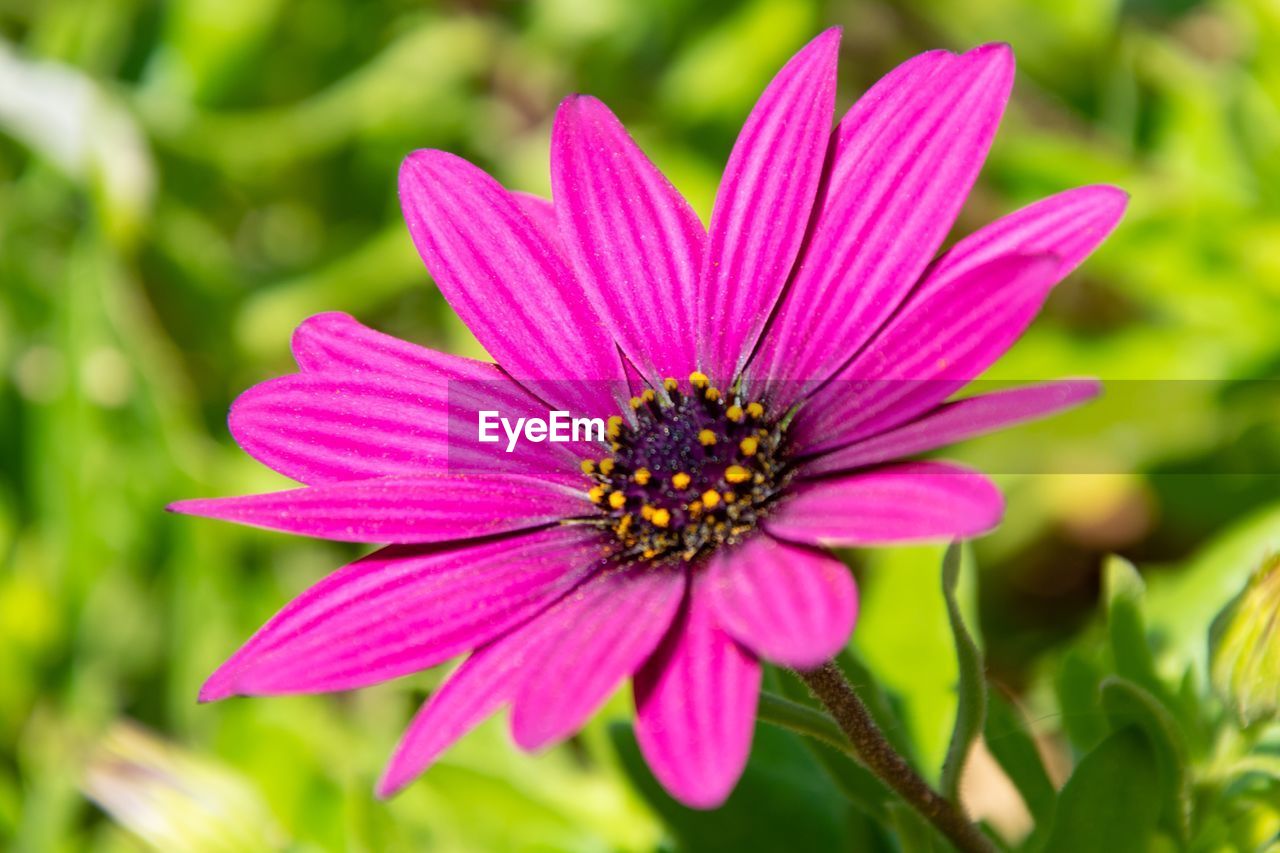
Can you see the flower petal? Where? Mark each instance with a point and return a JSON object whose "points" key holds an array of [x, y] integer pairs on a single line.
{"points": [[484, 683], [509, 283], [906, 156], [696, 706], [402, 510], [763, 207], [633, 239], [790, 604], [323, 428], [957, 421], [915, 501], [334, 342], [403, 609], [928, 352], [611, 624]]}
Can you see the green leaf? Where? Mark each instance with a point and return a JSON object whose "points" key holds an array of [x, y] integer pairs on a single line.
{"points": [[1126, 625], [1127, 704], [1112, 800], [971, 707], [1010, 742], [783, 801]]}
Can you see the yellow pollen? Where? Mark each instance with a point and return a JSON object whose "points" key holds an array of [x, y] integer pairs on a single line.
{"points": [[695, 507], [755, 410], [681, 480], [749, 445], [614, 426], [646, 512], [661, 518], [649, 553], [636, 402], [588, 467], [641, 476], [699, 380], [734, 413], [710, 498], [712, 394], [617, 500], [729, 497], [670, 383], [737, 474], [706, 438], [623, 525], [648, 395], [596, 493], [606, 466]]}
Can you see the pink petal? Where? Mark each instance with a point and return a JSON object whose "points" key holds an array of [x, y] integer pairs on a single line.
{"points": [[790, 604], [928, 352], [335, 342], [954, 422], [763, 207], [634, 241], [402, 510], [403, 609], [509, 283], [611, 624], [906, 156], [541, 213], [914, 501], [484, 683], [323, 428], [696, 706]]}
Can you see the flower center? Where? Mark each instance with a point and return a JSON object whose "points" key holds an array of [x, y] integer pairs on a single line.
{"points": [[688, 472]]}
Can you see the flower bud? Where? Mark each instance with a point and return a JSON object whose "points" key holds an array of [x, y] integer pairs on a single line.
{"points": [[1244, 648]]}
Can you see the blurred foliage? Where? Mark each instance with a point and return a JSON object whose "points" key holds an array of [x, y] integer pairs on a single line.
{"points": [[182, 182]]}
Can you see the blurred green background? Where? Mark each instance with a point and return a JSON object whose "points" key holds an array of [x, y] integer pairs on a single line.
{"points": [[182, 182]]}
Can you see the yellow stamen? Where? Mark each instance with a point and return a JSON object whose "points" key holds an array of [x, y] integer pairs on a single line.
{"points": [[661, 518], [617, 500], [712, 394], [606, 466], [729, 497], [755, 410], [734, 413], [736, 474], [696, 507], [749, 445], [641, 476], [636, 402], [613, 427], [670, 383], [681, 480], [646, 512], [596, 493], [649, 553], [710, 498], [706, 438], [624, 524], [588, 467], [699, 380], [648, 395]]}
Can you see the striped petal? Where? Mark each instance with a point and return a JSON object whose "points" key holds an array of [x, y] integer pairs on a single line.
{"points": [[509, 283], [906, 156], [696, 706], [790, 604], [402, 510], [635, 242], [763, 206], [611, 624], [335, 342], [929, 352], [404, 609], [324, 428], [912, 502], [957, 421]]}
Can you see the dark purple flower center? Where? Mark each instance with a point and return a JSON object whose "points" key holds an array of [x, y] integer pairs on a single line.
{"points": [[688, 472]]}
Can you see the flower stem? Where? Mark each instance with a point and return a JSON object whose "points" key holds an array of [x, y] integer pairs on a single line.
{"points": [[831, 688]]}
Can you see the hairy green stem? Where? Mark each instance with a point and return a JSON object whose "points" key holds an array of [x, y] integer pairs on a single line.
{"points": [[868, 745]]}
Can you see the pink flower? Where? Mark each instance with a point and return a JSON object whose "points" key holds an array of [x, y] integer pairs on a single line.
{"points": [[821, 339]]}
